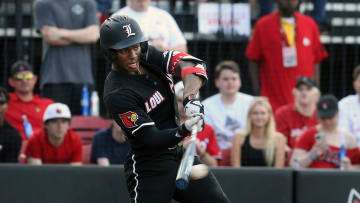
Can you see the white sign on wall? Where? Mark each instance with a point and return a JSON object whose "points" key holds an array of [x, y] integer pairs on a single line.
{"points": [[231, 18]]}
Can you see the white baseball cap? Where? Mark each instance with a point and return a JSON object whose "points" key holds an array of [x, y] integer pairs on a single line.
{"points": [[57, 110]]}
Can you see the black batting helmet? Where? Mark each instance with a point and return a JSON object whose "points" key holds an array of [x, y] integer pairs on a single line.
{"points": [[118, 32]]}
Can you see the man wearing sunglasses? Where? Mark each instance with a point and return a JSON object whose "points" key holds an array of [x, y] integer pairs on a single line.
{"points": [[23, 101], [293, 119], [10, 139]]}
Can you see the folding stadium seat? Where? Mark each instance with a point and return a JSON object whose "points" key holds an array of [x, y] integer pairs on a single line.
{"points": [[86, 126], [86, 153]]}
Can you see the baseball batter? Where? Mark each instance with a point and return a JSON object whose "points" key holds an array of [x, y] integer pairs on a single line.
{"points": [[139, 95]]}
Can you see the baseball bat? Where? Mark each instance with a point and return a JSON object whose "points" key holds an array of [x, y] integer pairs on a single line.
{"points": [[182, 178]]}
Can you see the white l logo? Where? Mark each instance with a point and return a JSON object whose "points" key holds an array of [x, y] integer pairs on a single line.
{"points": [[128, 31]]}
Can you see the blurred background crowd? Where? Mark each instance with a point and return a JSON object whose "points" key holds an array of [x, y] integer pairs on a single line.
{"points": [[283, 90]]}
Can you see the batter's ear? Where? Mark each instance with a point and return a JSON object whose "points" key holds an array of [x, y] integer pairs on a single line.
{"points": [[144, 50]]}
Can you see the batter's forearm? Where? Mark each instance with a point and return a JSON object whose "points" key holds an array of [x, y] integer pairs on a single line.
{"points": [[192, 85]]}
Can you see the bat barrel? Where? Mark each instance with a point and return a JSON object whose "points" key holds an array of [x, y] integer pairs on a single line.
{"points": [[182, 178]]}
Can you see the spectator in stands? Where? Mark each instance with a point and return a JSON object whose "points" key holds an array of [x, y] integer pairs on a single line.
{"points": [[10, 139], [110, 146], [259, 144], [293, 119], [206, 145], [23, 101], [68, 28], [349, 108], [159, 27], [284, 45], [56, 143], [226, 111], [320, 146]]}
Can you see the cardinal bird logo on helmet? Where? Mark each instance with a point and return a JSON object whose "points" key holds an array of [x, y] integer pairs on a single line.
{"points": [[129, 119]]}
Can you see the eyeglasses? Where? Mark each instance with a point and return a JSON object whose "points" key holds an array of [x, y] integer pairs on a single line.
{"points": [[2, 102], [27, 76]]}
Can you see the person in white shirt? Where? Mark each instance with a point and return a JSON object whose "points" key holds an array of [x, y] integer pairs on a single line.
{"points": [[226, 111], [349, 108], [158, 25]]}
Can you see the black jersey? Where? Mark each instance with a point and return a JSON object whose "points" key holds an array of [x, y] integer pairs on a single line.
{"points": [[136, 102]]}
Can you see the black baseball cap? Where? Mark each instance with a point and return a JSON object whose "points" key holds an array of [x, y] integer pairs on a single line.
{"points": [[327, 107], [19, 66], [310, 82]]}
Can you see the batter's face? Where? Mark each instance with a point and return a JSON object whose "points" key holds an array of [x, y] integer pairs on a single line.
{"points": [[287, 7], [228, 82], [128, 59]]}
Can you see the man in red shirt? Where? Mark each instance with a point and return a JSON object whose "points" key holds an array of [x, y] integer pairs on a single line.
{"points": [[206, 145], [56, 143], [284, 46], [293, 119], [23, 101]]}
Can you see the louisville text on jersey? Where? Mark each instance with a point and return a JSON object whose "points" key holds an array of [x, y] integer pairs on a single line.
{"points": [[154, 101]]}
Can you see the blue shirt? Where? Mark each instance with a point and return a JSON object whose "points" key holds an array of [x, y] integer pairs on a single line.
{"points": [[105, 146]]}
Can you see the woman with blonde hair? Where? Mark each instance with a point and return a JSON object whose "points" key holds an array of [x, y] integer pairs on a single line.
{"points": [[259, 144]]}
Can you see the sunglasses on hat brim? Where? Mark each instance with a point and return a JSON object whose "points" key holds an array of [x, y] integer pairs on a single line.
{"points": [[27, 76]]}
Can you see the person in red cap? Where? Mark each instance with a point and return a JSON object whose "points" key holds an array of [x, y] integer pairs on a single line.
{"points": [[23, 101], [326, 145], [56, 143]]}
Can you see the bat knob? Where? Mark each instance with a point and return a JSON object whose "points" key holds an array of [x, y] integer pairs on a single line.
{"points": [[181, 184]]}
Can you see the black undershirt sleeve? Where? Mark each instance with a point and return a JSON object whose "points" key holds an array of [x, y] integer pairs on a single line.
{"points": [[152, 137]]}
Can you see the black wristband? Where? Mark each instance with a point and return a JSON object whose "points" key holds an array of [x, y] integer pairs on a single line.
{"points": [[183, 132]]}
